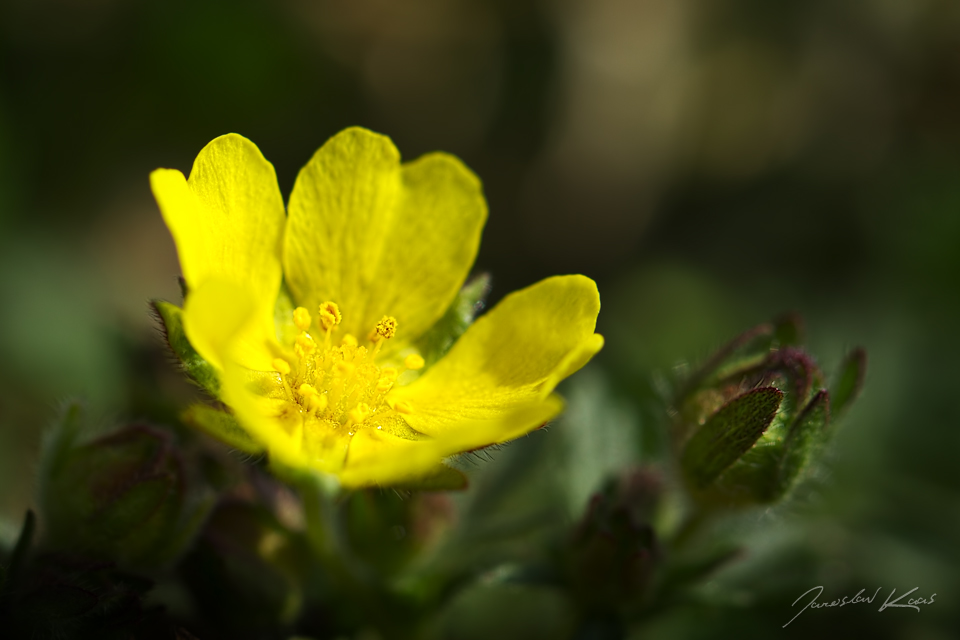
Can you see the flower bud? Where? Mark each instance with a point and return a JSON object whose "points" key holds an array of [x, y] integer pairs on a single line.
{"points": [[747, 422], [614, 550], [122, 496]]}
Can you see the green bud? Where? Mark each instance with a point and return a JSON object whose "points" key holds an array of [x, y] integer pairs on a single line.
{"points": [[614, 551], [749, 421], [124, 496]]}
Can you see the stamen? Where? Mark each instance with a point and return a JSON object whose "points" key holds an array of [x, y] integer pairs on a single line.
{"points": [[317, 403], [360, 413], [413, 361], [388, 375], [301, 318], [385, 329], [329, 315], [306, 343], [338, 385]]}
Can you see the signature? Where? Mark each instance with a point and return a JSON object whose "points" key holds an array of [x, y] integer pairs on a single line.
{"points": [[912, 603]]}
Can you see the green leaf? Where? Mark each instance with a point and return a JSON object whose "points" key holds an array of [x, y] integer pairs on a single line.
{"points": [[847, 386], [728, 434], [222, 426], [459, 316], [201, 371]]}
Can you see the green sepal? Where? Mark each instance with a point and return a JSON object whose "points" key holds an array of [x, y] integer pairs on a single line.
{"points": [[743, 352], [458, 317], [728, 434], [771, 468], [803, 437], [222, 426], [788, 330], [847, 386], [201, 371], [440, 478]]}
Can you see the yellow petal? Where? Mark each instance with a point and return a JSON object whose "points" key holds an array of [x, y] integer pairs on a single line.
{"points": [[514, 355], [219, 320], [257, 401], [218, 323], [227, 220], [380, 238], [382, 458]]}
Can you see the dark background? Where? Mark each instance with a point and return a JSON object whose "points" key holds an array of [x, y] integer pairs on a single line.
{"points": [[709, 162]]}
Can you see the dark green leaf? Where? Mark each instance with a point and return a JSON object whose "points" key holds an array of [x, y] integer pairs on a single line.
{"points": [[728, 434]]}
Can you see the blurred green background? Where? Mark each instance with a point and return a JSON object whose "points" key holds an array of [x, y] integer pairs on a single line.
{"points": [[709, 162]]}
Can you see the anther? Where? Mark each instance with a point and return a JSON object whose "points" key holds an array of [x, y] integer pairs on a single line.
{"points": [[301, 318], [348, 340], [316, 402], [280, 365], [305, 342], [386, 328], [307, 390], [413, 361], [360, 413], [329, 315], [388, 375]]}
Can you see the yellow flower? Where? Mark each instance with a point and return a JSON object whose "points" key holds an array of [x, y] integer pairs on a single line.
{"points": [[311, 317]]}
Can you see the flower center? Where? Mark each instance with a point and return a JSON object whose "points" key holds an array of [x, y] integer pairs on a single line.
{"points": [[339, 384]]}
